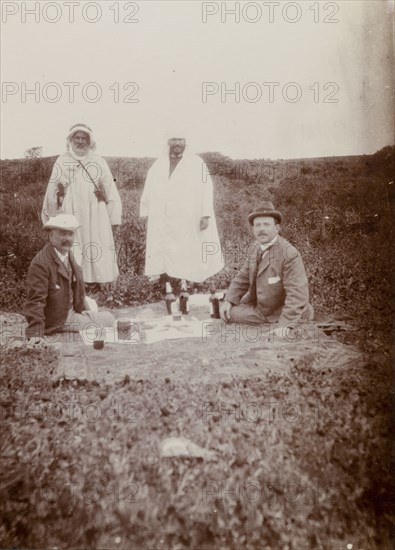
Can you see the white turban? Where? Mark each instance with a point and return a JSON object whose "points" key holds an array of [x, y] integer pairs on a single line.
{"points": [[180, 132], [81, 128]]}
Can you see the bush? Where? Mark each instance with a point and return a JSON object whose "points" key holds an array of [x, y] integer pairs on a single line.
{"points": [[12, 289], [130, 290]]}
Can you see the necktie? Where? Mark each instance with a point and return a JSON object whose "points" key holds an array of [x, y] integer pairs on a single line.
{"points": [[69, 270], [66, 263], [253, 294]]}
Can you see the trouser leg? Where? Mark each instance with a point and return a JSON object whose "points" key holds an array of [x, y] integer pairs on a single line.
{"points": [[246, 314]]}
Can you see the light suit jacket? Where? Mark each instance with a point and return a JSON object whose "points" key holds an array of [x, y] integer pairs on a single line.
{"points": [[282, 288]]}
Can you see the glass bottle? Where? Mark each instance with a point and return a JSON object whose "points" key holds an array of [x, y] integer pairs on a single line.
{"points": [[169, 299], [214, 303], [184, 298]]}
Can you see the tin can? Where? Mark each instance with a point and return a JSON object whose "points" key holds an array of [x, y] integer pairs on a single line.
{"points": [[124, 328]]}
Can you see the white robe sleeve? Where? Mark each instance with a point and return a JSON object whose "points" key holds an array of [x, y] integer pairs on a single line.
{"points": [[114, 204], [50, 204], [207, 195]]}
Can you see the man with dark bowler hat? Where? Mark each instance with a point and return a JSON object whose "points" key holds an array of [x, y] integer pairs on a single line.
{"points": [[271, 287]]}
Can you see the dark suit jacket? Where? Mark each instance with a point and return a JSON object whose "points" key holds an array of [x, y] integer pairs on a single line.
{"points": [[282, 288], [48, 292]]}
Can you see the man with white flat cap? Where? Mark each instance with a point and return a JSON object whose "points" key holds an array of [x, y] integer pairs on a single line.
{"points": [[56, 300]]}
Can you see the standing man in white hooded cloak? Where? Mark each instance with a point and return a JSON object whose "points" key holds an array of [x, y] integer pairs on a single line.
{"points": [[182, 234], [81, 184]]}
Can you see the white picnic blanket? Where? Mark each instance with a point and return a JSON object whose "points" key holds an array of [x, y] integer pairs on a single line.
{"points": [[109, 335], [164, 328], [150, 331]]}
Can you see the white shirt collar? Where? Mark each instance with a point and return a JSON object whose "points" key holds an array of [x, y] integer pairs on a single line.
{"points": [[63, 257], [265, 246]]}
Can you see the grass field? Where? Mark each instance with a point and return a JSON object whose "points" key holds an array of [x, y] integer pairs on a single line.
{"points": [[302, 456], [302, 459]]}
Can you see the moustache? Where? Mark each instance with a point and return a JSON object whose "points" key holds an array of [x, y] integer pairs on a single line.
{"points": [[66, 243]]}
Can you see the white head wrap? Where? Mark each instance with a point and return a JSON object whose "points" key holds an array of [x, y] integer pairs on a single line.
{"points": [[80, 128], [177, 132]]}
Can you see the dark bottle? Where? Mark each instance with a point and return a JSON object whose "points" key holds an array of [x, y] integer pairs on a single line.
{"points": [[184, 298], [169, 298], [214, 304]]}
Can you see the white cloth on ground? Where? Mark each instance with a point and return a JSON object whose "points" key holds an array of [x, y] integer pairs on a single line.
{"points": [[76, 322]]}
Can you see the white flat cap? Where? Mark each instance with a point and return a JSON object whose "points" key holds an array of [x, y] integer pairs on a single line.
{"points": [[62, 221]]}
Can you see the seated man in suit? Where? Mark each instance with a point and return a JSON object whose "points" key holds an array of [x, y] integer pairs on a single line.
{"points": [[56, 299], [271, 287]]}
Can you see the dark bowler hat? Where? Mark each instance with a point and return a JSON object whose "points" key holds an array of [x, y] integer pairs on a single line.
{"points": [[265, 209]]}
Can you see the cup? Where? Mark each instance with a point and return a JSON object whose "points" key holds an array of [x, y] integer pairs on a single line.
{"points": [[124, 328], [98, 344]]}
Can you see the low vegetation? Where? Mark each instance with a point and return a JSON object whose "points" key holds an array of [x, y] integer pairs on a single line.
{"points": [[81, 466]]}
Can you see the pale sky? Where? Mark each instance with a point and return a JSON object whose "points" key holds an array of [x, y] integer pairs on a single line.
{"points": [[169, 53]]}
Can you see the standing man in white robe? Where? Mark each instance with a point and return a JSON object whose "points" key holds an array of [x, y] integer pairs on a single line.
{"points": [[81, 184], [182, 234]]}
